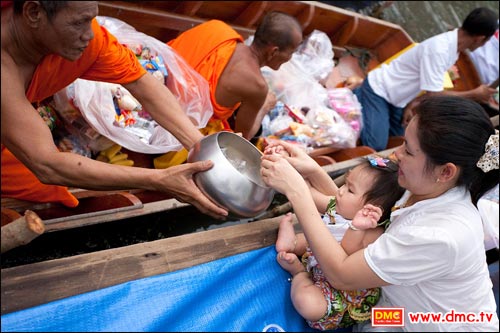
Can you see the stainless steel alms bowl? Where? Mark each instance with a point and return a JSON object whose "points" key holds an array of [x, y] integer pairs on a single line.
{"points": [[234, 181]]}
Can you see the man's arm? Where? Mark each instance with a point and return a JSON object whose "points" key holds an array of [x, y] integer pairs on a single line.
{"points": [[481, 94], [27, 136], [162, 105]]}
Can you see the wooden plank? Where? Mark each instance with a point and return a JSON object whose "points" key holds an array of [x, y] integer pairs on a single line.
{"points": [[39, 283], [306, 17], [90, 219], [344, 35], [140, 18], [251, 14], [189, 8]]}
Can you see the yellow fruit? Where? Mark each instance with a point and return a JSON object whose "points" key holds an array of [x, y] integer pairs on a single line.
{"points": [[118, 157], [125, 162], [170, 159], [112, 151]]}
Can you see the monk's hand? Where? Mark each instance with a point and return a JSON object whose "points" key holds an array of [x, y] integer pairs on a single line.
{"points": [[178, 181]]}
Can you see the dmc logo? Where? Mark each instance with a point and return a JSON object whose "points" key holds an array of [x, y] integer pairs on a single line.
{"points": [[273, 328], [388, 317]]}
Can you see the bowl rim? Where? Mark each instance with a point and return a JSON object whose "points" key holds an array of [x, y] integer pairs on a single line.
{"points": [[232, 165]]}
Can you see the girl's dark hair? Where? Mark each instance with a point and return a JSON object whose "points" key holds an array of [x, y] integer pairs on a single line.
{"points": [[50, 7], [276, 29], [481, 21], [455, 130], [385, 190]]}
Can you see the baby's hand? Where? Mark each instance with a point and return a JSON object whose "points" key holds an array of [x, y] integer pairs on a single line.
{"points": [[367, 217], [276, 149]]}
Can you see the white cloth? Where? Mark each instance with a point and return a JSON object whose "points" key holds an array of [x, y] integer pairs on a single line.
{"points": [[339, 228], [485, 60], [420, 68], [433, 256], [488, 208]]}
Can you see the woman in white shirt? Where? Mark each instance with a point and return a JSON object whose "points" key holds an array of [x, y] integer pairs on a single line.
{"points": [[431, 259]]}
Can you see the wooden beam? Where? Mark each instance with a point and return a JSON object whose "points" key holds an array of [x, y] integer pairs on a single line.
{"points": [[189, 7], [249, 17], [39, 283], [346, 32], [305, 17], [140, 17]]}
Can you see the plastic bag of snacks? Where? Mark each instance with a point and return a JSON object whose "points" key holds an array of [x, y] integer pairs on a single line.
{"points": [[113, 111], [346, 104], [296, 85]]}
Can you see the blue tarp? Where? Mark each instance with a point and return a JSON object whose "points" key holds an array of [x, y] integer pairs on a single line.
{"points": [[245, 292]]}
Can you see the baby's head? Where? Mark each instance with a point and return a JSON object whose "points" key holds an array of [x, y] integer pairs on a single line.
{"points": [[374, 181]]}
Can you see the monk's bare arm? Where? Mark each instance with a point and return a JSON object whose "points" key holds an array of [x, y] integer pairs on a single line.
{"points": [[25, 133], [164, 108], [27, 136]]}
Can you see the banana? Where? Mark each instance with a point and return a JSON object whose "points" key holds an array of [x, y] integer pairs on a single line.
{"points": [[125, 162], [118, 157], [112, 151]]}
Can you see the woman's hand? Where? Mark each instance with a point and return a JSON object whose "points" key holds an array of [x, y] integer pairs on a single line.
{"points": [[279, 174]]}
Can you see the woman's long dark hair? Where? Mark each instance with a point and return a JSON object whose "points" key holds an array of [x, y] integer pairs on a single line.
{"points": [[455, 130]]}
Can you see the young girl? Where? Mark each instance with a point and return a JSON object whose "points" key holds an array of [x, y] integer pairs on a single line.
{"points": [[360, 209]]}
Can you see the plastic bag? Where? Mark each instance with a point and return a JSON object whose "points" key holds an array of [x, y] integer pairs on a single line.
{"points": [[95, 99], [315, 56], [297, 85]]}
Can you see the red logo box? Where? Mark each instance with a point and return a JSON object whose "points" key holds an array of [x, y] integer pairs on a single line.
{"points": [[393, 317]]}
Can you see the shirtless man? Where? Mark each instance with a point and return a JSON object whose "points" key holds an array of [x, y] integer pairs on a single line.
{"points": [[46, 45], [218, 53]]}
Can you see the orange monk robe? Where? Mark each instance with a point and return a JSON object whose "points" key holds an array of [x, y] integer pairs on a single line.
{"points": [[207, 48], [105, 59]]}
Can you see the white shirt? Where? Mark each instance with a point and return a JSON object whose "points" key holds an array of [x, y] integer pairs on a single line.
{"points": [[420, 68], [433, 256], [488, 208], [485, 60]]}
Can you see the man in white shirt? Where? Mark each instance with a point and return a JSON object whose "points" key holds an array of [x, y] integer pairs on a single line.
{"points": [[390, 92], [485, 58]]}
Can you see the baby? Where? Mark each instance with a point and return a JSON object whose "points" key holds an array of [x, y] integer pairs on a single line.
{"points": [[356, 214]]}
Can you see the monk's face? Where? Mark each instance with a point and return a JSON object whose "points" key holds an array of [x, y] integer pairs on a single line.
{"points": [[69, 31]]}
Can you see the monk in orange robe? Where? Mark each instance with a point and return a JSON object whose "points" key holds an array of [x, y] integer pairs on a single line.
{"points": [[45, 47], [232, 69], [51, 75]]}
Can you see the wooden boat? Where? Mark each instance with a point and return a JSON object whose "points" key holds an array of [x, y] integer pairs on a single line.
{"points": [[360, 44]]}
